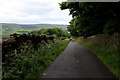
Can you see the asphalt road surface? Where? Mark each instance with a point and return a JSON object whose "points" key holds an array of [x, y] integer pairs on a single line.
{"points": [[77, 61]]}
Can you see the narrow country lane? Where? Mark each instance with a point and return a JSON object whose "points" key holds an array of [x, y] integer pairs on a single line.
{"points": [[77, 61]]}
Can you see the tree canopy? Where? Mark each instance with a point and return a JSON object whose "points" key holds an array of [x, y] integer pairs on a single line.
{"points": [[56, 32], [93, 18]]}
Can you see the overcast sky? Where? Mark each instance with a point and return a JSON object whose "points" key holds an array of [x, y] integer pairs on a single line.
{"points": [[33, 11]]}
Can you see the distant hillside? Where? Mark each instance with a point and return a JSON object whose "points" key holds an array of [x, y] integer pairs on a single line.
{"points": [[8, 28]]}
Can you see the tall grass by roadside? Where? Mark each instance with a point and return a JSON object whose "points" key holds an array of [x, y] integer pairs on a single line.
{"points": [[109, 55], [30, 63]]}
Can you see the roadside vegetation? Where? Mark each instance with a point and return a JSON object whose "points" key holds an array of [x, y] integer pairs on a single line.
{"points": [[30, 63], [27, 55]]}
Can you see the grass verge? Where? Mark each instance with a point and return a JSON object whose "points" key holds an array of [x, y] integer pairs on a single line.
{"points": [[109, 56], [30, 63]]}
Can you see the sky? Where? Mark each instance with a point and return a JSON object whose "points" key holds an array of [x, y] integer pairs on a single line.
{"points": [[33, 12]]}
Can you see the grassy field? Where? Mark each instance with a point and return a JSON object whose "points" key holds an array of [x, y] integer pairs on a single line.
{"points": [[31, 63], [9, 28], [110, 56]]}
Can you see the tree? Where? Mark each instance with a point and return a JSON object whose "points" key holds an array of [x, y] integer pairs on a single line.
{"points": [[92, 18], [57, 32]]}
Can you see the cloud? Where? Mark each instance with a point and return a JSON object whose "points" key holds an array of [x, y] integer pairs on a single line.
{"points": [[33, 11]]}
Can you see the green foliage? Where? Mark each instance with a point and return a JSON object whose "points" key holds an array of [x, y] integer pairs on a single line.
{"points": [[72, 29], [92, 18], [57, 32], [30, 63], [112, 27]]}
